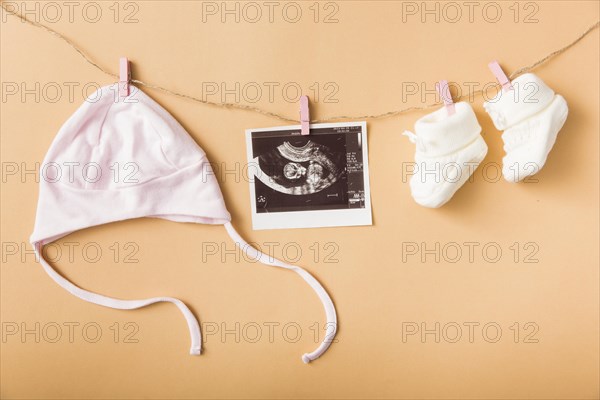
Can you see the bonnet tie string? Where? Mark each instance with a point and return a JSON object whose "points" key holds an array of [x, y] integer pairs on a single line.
{"points": [[330, 314], [122, 304]]}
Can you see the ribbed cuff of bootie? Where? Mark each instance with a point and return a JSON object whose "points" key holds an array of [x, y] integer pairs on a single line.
{"points": [[529, 96], [439, 133]]}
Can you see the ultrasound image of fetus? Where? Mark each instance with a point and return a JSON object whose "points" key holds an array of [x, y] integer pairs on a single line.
{"points": [[299, 170]]}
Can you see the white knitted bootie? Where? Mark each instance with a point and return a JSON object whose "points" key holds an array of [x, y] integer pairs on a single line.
{"points": [[531, 115], [449, 148]]}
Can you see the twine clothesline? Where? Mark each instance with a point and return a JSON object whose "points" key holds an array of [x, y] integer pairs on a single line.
{"points": [[283, 117]]}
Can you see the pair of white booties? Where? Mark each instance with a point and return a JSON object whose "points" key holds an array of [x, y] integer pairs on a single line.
{"points": [[450, 147]]}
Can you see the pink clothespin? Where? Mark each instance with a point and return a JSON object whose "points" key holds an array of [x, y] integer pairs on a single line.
{"points": [[124, 77], [500, 75], [444, 91], [304, 116]]}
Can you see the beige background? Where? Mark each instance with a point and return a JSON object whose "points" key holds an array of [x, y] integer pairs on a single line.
{"points": [[370, 54]]}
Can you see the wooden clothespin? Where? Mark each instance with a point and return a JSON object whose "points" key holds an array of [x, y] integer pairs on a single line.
{"points": [[304, 116], [500, 75], [444, 91], [124, 77]]}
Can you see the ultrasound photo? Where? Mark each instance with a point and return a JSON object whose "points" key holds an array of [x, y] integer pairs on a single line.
{"points": [[315, 180]]}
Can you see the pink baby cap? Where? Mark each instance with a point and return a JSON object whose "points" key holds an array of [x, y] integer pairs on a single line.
{"points": [[119, 158]]}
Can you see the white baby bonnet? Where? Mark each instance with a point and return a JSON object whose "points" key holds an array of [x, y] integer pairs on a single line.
{"points": [[174, 181]]}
